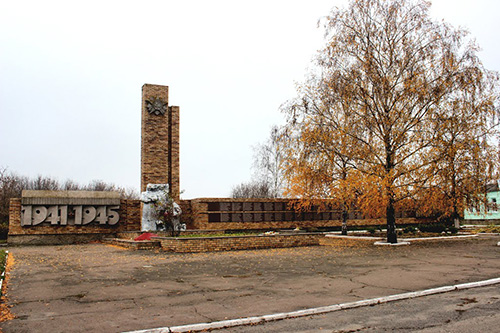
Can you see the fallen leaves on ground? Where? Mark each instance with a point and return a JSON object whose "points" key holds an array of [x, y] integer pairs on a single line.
{"points": [[5, 313]]}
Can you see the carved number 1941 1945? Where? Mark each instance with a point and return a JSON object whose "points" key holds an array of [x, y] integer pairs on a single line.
{"points": [[69, 215]]}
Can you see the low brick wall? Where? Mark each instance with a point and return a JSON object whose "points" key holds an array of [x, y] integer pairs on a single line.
{"points": [[190, 232], [212, 244], [131, 244], [272, 214]]}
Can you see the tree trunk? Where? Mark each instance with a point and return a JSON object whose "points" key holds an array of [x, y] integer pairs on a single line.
{"points": [[345, 208], [345, 214], [456, 216], [392, 237], [390, 216]]}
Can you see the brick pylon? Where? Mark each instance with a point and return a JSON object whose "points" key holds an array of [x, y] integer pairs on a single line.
{"points": [[159, 140]]}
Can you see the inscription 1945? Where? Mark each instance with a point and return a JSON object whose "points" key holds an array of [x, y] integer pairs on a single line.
{"points": [[32, 215]]}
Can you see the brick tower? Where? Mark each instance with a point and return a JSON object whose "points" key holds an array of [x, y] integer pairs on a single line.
{"points": [[159, 140]]}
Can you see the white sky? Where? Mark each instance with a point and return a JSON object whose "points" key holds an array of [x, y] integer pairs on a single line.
{"points": [[71, 74]]}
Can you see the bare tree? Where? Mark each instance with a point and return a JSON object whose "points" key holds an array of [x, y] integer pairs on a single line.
{"points": [[70, 185], [99, 185], [43, 183], [268, 163], [252, 190], [11, 186]]}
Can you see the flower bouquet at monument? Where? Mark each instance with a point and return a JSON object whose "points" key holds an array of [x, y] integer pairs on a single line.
{"points": [[169, 217]]}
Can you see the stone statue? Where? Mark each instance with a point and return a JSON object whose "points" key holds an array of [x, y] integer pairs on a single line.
{"points": [[159, 211]]}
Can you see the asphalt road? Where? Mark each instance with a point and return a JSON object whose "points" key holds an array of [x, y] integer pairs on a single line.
{"points": [[468, 311], [101, 288]]}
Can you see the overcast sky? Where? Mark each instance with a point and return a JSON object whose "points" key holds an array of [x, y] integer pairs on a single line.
{"points": [[71, 74]]}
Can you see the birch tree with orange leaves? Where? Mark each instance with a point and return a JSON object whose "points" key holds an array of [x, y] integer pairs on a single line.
{"points": [[465, 150], [383, 89], [318, 155]]}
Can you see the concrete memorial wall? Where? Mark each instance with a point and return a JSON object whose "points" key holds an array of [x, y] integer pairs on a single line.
{"points": [[65, 217], [64, 208]]}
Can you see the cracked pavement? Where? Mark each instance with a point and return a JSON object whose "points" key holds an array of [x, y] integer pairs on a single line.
{"points": [[103, 288]]}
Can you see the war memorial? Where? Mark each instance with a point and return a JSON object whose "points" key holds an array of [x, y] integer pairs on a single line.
{"points": [[66, 217]]}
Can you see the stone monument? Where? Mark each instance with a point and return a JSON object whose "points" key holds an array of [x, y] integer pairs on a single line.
{"points": [[159, 140], [159, 211]]}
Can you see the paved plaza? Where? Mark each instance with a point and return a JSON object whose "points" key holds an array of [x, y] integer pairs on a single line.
{"points": [[102, 288]]}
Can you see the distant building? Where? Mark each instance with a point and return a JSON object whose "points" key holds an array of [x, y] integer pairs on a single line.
{"points": [[489, 215]]}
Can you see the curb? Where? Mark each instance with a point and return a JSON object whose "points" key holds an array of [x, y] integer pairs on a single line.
{"points": [[392, 244], [314, 311], [439, 238]]}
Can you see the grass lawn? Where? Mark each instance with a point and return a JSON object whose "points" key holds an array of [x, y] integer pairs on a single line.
{"points": [[3, 258], [222, 234]]}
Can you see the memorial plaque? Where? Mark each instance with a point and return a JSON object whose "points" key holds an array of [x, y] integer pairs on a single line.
{"points": [[268, 206], [236, 217], [248, 217], [258, 206], [237, 206], [247, 206], [214, 206], [214, 217], [269, 217], [225, 206], [258, 217], [225, 217]]}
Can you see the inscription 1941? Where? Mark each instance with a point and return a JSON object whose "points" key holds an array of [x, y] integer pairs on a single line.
{"points": [[32, 215]]}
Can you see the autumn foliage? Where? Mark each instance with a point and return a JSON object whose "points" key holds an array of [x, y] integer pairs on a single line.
{"points": [[398, 113]]}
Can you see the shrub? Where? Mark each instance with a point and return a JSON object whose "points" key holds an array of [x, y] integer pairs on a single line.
{"points": [[492, 228], [409, 229], [433, 227], [3, 261], [437, 228]]}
